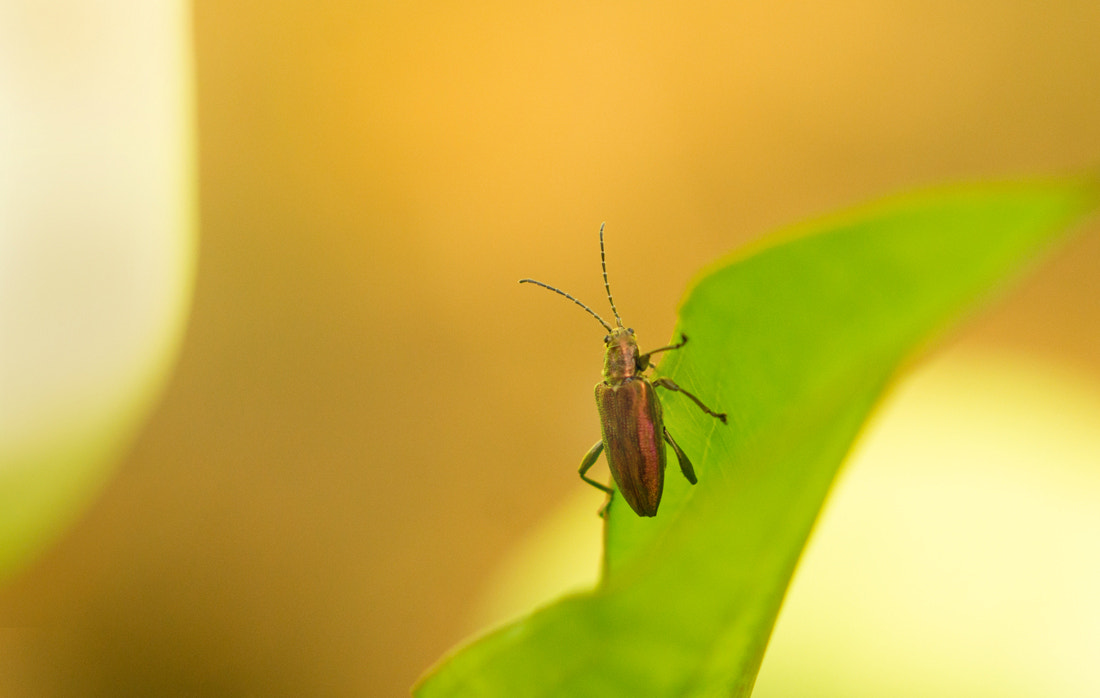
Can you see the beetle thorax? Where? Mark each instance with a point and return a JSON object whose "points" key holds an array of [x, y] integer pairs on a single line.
{"points": [[620, 360]]}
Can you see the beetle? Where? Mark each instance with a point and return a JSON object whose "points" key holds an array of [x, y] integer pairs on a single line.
{"points": [[633, 430]]}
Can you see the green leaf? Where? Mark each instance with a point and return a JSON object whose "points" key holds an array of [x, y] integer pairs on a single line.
{"points": [[796, 339]]}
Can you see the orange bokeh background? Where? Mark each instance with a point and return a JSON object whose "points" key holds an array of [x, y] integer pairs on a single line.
{"points": [[368, 411]]}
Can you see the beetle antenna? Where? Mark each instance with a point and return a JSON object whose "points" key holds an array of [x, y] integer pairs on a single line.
{"points": [[561, 292], [607, 286]]}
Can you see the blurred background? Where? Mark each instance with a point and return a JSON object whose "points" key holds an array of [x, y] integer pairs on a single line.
{"points": [[367, 416]]}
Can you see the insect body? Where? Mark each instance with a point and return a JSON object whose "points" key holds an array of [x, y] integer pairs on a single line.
{"points": [[634, 433]]}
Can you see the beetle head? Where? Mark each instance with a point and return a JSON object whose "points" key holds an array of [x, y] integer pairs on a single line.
{"points": [[620, 354]]}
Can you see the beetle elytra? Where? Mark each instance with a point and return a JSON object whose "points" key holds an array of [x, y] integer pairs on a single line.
{"points": [[634, 434]]}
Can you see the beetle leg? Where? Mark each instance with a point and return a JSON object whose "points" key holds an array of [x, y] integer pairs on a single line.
{"points": [[643, 360], [588, 461], [685, 464], [668, 383]]}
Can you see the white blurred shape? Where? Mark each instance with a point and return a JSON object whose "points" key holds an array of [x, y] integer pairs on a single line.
{"points": [[97, 242]]}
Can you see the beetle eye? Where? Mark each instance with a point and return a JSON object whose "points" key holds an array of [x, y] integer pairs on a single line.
{"points": [[607, 339], [630, 330]]}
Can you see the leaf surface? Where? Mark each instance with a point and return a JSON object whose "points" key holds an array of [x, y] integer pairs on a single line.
{"points": [[796, 339]]}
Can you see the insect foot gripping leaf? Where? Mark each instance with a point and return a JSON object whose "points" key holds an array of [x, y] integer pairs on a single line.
{"points": [[795, 339], [634, 433]]}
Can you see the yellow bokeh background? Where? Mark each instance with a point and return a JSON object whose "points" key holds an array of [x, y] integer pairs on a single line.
{"points": [[369, 414]]}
